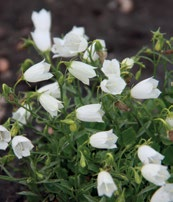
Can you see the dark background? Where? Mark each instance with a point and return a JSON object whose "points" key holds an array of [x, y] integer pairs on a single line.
{"points": [[125, 32]]}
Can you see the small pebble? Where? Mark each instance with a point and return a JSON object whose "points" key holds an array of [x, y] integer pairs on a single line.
{"points": [[4, 65]]}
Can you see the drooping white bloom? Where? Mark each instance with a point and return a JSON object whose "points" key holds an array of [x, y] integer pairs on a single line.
{"points": [[113, 85], [5, 137], [163, 194], [90, 113], [104, 140], [91, 52], [52, 89], [38, 72], [21, 146], [155, 173], [21, 115], [146, 89], [111, 68], [41, 34], [82, 71], [128, 63], [42, 39], [73, 43], [50, 104], [105, 184], [148, 155], [41, 19]]}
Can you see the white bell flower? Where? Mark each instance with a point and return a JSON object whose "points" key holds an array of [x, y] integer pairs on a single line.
{"points": [[146, 89], [52, 89], [50, 104], [41, 34], [104, 140], [111, 68], [163, 194], [155, 173], [21, 146], [148, 155], [73, 43], [91, 52], [21, 115], [42, 39], [38, 72], [90, 113], [105, 184], [41, 20], [5, 137], [82, 71], [113, 85]]}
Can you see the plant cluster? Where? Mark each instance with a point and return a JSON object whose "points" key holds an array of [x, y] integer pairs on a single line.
{"points": [[92, 132]]}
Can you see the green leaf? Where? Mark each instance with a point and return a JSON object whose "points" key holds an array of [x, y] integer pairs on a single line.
{"points": [[168, 155], [27, 193], [90, 198], [128, 136]]}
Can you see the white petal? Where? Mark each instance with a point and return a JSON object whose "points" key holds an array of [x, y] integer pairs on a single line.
{"points": [[155, 173], [42, 39], [41, 19]]}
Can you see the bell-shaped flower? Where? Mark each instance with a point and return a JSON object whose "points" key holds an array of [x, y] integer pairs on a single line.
{"points": [[104, 140], [90, 113], [73, 43], [42, 39], [155, 173], [148, 155], [82, 71], [163, 194], [146, 89], [127, 63], [52, 89], [105, 184], [41, 20], [50, 104], [38, 72], [113, 85], [91, 54], [21, 146], [41, 34], [5, 137], [111, 68], [21, 115]]}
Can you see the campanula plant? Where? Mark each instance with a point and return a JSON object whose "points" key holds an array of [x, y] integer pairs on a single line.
{"points": [[90, 128]]}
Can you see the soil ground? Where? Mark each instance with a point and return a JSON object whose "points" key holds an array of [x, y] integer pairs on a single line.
{"points": [[125, 32]]}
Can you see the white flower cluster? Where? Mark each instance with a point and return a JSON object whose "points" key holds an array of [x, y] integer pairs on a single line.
{"points": [[20, 144], [50, 96], [156, 173]]}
